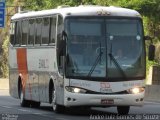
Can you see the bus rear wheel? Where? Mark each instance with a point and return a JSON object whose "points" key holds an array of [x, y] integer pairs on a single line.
{"points": [[23, 102], [56, 108], [35, 104], [123, 110]]}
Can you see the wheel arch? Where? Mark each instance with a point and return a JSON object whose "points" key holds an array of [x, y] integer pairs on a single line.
{"points": [[51, 88], [19, 85]]}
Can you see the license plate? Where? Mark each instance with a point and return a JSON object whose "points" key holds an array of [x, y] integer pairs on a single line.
{"points": [[107, 101]]}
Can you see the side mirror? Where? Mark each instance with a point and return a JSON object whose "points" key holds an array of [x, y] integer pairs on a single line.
{"points": [[62, 47], [62, 44], [151, 52], [147, 38], [151, 49]]}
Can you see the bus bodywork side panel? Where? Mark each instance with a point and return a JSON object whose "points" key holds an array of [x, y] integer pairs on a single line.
{"points": [[13, 72], [42, 68]]}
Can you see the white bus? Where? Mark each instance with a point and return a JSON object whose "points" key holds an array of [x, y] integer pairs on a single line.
{"points": [[68, 57]]}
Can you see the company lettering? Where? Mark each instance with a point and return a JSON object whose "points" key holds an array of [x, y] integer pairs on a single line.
{"points": [[43, 63]]}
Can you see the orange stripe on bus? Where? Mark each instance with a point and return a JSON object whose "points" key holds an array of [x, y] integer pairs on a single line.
{"points": [[22, 60], [22, 66]]}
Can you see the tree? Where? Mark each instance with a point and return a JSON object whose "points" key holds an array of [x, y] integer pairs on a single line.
{"points": [[148, 9]]}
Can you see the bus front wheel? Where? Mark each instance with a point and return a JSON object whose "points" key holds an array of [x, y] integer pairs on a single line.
{"points": [[57, 108], [123, 110]]}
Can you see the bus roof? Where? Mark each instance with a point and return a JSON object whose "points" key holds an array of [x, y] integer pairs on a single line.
{"points": [[82, 10]]}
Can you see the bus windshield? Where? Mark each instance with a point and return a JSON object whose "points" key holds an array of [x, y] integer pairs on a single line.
{"points": [[105, 47]]}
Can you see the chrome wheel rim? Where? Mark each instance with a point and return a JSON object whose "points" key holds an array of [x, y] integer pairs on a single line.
{"points": [[54, 100], [21, 97]]}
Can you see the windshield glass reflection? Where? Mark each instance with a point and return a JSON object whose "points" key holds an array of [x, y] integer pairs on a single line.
{"points": [[125, 43], [85, 42], [107, 48]]}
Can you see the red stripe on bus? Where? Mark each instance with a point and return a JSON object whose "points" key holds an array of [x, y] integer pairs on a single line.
{"points": [[22, 66]]}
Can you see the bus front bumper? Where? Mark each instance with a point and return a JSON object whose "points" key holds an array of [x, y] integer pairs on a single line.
{"points": [[77, 99]]}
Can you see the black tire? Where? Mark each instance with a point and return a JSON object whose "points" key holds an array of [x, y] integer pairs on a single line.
{"points": [[78, 110], [59, 109], [35, 104], [123, 110], [50, 91], [23, 102], [56, 108]]}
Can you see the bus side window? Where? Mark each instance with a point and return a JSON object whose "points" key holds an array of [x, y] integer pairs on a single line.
{"points": [[60, 57], [31, 32], [59, 28], [12, 32], [52, 30], [18, 33], [38, 31], [45, 29], [24, 32]]}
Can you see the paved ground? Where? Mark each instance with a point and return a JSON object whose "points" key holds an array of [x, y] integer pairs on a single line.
{"points": [[4, 83], [10, 110]]}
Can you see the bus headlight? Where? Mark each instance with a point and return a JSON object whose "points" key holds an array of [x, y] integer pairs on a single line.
{"points": [[135, 90], [75, 89]]}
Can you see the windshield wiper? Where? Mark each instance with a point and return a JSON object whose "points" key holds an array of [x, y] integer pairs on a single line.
{"points": [[117, 65], [95, 64], [98, 59]]}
